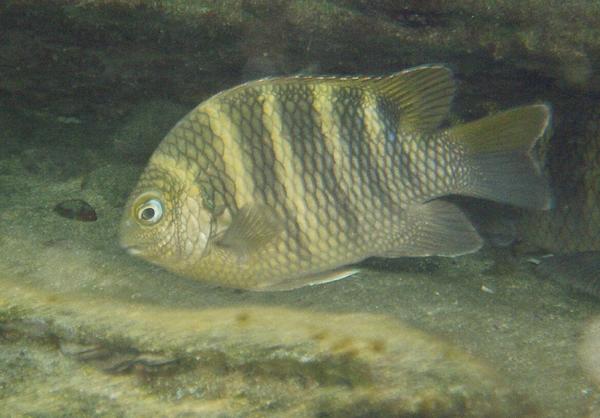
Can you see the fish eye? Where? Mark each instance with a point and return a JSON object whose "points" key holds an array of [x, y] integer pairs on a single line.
{"points": [[150, 212]]}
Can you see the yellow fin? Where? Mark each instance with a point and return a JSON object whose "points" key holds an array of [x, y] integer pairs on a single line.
{"points": [[310, 280], [497, 153], [515, 129], [422, 94], [252, 227]]}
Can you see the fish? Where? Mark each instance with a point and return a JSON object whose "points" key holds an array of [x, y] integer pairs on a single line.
{"points": [[570, 231], [285, 182]]}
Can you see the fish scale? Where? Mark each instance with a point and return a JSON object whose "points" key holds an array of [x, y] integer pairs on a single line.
{"points": [[282, 183]]}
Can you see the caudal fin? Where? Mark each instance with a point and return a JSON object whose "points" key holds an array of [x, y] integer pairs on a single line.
{"points": [[497, 154]]}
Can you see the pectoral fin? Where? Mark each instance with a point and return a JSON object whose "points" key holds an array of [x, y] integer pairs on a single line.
{"points": [[251, 228], [310, 280]]}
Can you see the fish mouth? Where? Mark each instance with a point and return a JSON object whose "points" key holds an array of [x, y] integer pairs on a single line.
{"points": [[132, 249], [127, 239]]}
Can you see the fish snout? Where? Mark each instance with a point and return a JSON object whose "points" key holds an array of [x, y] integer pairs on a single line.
{"points": [[127, 239]]}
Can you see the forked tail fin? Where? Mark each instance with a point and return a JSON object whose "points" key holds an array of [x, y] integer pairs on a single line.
{"points": [[498, 163]]}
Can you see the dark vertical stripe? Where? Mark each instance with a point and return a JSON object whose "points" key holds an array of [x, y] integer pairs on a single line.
{"points": [[303, 124]]}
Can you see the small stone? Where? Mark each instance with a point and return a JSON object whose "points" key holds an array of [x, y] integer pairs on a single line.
{"points": [[487, 289]]}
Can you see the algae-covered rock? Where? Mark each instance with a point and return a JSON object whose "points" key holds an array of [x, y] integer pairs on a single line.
{"points": [[589, 357], [102, 56], [144, 128], [247, 361], [87, 330], [112, 182]]}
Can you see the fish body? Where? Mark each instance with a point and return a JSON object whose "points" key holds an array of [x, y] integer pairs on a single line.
{"points": [[285, 182]]}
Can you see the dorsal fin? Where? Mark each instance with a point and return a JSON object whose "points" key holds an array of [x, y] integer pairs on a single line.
{"points": [[422, 94]]}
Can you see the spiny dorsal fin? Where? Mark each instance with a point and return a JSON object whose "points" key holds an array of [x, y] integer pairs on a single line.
{"points": [[251, 227], [423, 95]]}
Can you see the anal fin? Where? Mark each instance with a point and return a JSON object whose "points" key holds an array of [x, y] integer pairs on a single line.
{"points": [[310, 280], [437, 227]]}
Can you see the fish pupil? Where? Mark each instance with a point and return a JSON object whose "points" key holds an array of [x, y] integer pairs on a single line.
{"points": [[148, 214]]}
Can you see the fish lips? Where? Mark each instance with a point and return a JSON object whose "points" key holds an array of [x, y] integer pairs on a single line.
{"points": [[125, 238], [131, 249]]}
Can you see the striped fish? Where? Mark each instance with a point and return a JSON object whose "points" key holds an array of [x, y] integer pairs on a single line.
{"points": [[285, 182]]}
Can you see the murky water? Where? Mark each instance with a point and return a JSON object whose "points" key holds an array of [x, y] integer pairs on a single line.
{"points": [[87, 330]]}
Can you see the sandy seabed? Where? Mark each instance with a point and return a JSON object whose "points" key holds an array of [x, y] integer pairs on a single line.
{"points": [[98, 332]]}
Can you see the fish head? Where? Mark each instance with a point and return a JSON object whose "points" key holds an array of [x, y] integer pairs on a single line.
{"points": [[165, 221]]}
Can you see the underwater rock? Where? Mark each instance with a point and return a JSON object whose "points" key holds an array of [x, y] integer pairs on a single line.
{"points": [[572, 162], [49, 162], [111, 181], [589, 358], [115, 360], [183, 49], [76, 209], [144, 128], [250, 361]]}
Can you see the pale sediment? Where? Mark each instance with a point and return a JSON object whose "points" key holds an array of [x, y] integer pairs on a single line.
{"points": [[242, 361]]}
